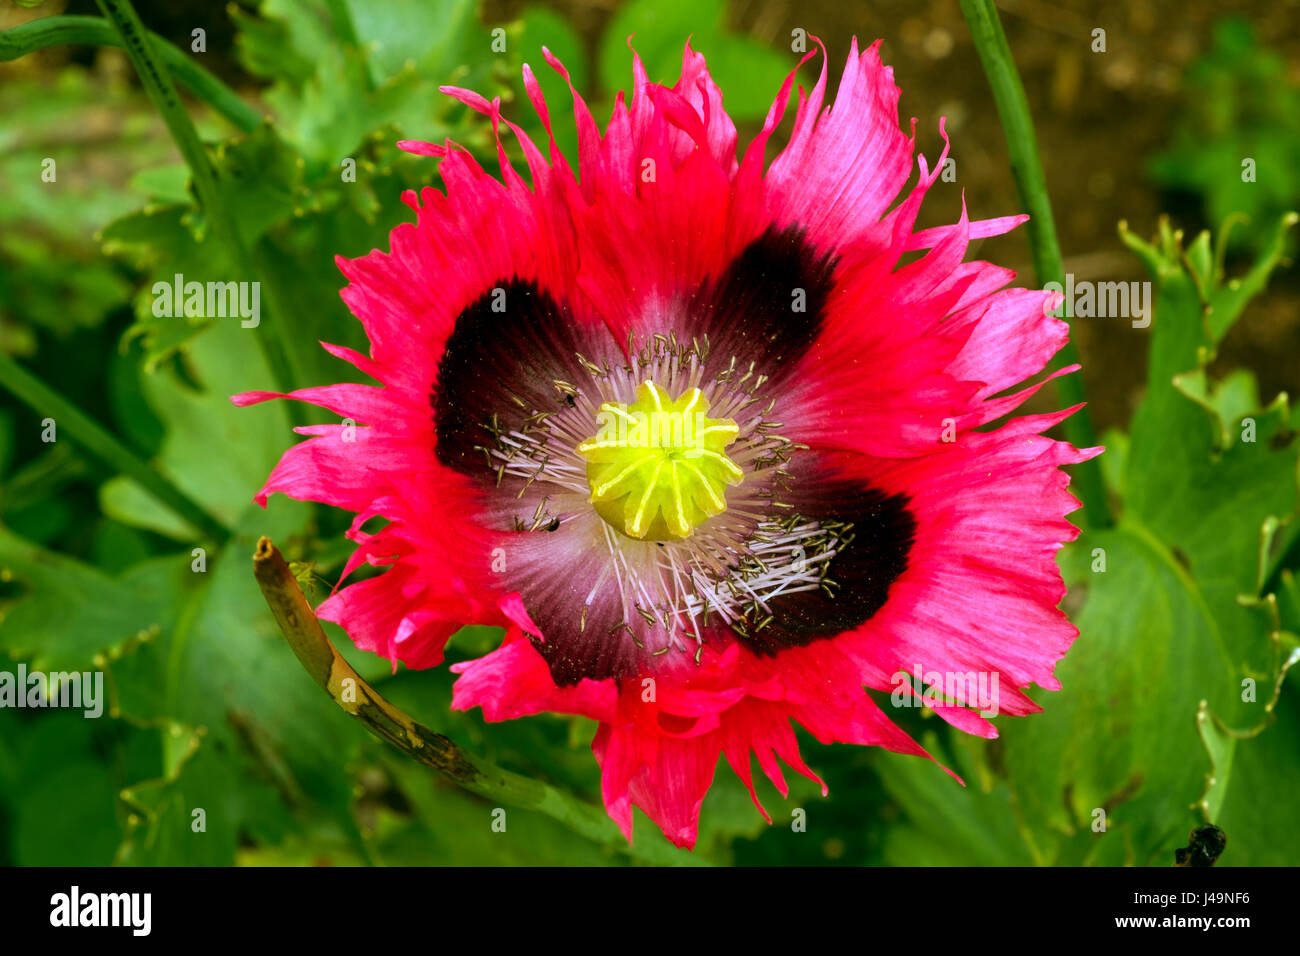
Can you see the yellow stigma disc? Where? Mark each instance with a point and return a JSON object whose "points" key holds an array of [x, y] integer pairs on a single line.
{"points": [[658, 468]]}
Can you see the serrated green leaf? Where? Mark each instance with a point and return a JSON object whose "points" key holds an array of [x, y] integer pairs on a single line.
{"points": [[329, 94], [1172, 608], [217, 453], [1252, 780], [1119, 737], [259, 180], [273, 759], [67, 616], [165, 824]]}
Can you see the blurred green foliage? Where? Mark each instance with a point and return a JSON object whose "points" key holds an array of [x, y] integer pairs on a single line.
{"points": [[108, 130], [209, 711], [1236, 143]]}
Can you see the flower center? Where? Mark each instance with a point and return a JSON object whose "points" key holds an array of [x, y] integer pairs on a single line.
{"points": [[658, 468]]}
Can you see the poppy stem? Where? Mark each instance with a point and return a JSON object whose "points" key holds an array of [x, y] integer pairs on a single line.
{"points": [[103, 445], [96, 31], [1022, 147], [302, 630], [157, 82]]}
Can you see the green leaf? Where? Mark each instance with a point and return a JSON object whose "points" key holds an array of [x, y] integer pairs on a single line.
{"points": [[329, 94], [70, 616], [165, 823], [1113, 463], [260, 181], [159, 241], [947, 824], [1120, 736], [1229, 401], [1173, 607], [273, 758], [1252, 780], [215, 452], [63, 804], [167, 184], [443, 825]]}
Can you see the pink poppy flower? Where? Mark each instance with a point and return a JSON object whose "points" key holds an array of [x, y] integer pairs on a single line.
{"points": [[690, 433]]}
